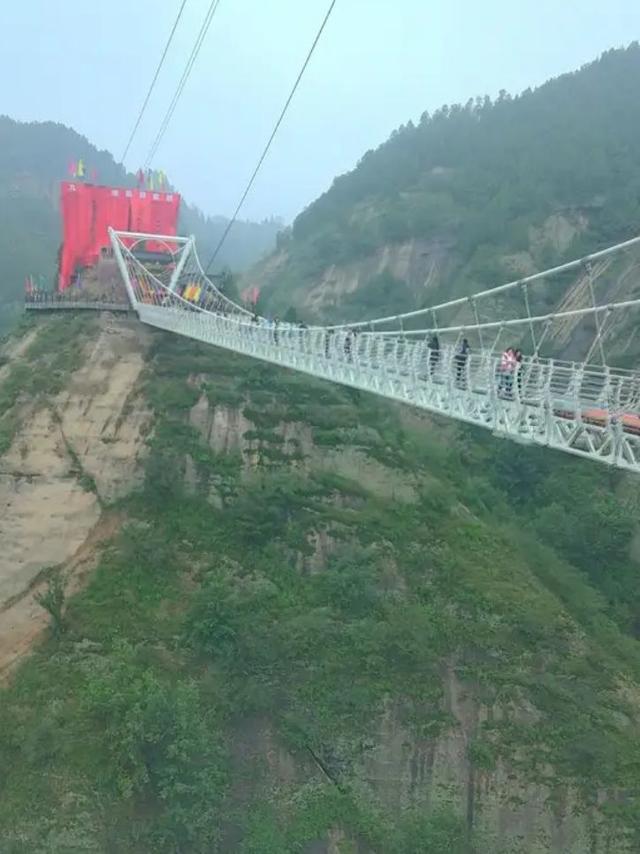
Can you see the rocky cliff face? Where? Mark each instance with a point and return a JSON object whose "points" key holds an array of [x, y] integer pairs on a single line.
{"points": [[73, 453], [398, 769], [426, 271], [419, 263]]}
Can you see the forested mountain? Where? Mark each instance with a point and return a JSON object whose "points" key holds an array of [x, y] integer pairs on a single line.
{"points": [[34, 158], [470, 195], [270, 615]]}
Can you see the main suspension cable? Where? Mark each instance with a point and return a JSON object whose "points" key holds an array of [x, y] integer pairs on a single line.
{"points": [[153, 82], [233, 219], [183, 80]]}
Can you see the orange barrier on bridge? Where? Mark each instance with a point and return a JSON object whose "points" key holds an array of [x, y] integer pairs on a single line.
{"points": [[89, 210], [600, 417], [630, 423]]}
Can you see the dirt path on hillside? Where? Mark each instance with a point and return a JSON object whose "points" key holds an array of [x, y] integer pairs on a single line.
{"points": [[23, 621]]}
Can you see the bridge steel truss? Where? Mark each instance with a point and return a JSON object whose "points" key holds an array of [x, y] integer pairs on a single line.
{"points": [[589, 410]]}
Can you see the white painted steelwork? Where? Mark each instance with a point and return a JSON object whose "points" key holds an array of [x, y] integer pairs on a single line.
{"points": [[588, 410]]}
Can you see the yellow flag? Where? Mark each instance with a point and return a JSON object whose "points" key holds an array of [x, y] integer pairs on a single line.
{"points": [[80, 171]]}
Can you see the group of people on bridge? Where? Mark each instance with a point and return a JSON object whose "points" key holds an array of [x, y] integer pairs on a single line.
{"points": [[508, 372], [509, 367], [460, 358]]}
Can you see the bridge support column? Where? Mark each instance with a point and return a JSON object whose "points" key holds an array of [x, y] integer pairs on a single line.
{"points": [[187, 250], [117, 251]]}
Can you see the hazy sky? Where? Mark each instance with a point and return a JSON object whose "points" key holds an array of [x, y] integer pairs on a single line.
{"points": [[88, 64]]}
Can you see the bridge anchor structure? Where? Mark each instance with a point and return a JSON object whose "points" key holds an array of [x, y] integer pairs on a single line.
{"points": [[447, 359]]}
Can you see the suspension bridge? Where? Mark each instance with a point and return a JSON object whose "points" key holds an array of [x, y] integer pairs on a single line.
{"points": [[505, 359], [421, 358], [527, 360]]}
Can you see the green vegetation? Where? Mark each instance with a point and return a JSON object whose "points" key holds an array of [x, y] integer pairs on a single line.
{"points": [[587, 515], [42, 370], [472, 181], [212, 629], [52, 600]]}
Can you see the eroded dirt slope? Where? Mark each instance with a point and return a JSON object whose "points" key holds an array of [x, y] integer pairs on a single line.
{"points": [[73, 454]]}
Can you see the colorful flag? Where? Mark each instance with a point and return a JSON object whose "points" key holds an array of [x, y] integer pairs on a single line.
{"points": [[80, 169], [72, 168]]}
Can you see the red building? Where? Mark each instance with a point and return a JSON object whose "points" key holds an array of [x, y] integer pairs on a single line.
{"points": [[89, 210]]}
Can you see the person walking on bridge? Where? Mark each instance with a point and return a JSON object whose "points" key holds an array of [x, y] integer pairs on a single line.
{"points": [[327, 343], [302, 327], [460, 362], [518, 371], [506, 370], [433, 344], [348, 345]]}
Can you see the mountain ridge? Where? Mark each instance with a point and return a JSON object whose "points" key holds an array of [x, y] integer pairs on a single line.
{"points": [[476, 185]]}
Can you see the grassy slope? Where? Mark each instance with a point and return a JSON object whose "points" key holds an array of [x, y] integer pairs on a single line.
{"points": [[117, 736]]}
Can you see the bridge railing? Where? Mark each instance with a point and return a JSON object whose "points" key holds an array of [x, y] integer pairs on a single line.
{"points": [[536, 382], [557, 385], [583, 408]]}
